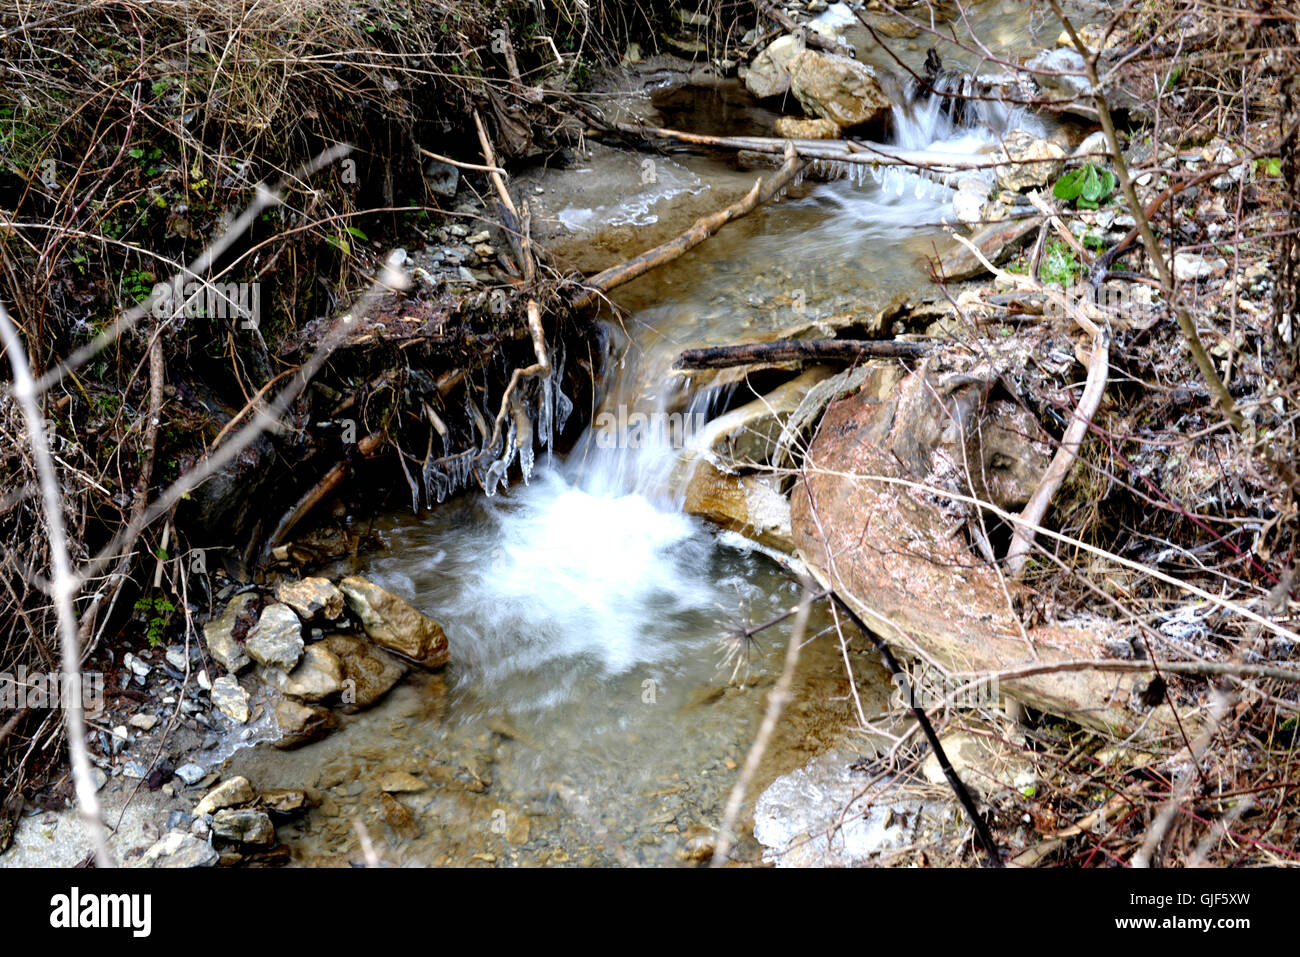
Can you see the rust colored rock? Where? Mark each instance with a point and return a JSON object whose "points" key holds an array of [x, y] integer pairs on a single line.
{"points": [[393, 623]]}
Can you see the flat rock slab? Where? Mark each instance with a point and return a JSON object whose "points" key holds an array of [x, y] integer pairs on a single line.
{"points": [[900, 556]]}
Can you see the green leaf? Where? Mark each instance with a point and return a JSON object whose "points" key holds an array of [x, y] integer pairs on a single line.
{"points": [[1091, 191], [352, 230], [1069, 186]]}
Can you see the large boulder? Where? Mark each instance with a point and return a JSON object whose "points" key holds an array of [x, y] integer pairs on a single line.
{"points": [[837, 88], [769, 73], [393, 623], [936, 595]]}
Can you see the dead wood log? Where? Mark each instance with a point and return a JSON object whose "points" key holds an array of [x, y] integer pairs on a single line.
{"points": [[788, 350], [703, 228]]}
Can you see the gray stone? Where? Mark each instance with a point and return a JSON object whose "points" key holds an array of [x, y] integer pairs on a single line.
{"points": [[223, 645], [769, 73], [191, 773], [318, 675], [1018, 152], [276, 639], [179, 849], [245, 825], [230, 699], [311, 598], [143, 721]]}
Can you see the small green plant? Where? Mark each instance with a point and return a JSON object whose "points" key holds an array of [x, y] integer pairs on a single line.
{"points": [[1272, 166], [1059, 265], [1086, 186], [157, 613]]}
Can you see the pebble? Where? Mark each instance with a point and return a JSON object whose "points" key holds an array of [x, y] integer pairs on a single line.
{"points": [[190, 773], [136, 665], [145, 722], [176, 658]]}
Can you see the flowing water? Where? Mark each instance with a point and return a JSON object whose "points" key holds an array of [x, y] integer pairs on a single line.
{"points": [[594, 711]]}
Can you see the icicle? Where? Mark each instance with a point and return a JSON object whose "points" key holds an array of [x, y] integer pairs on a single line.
{"points": [[524, 427], [545, 413]]}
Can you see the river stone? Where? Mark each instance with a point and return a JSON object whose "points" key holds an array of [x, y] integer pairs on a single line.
{"points": [[837, 88], [796, 129], [390, 621], [399, 817], [312, 598], [230, 698], [301, 724], [984, 763], [229, 793], [284, 800], [245, 825], [769, 73], [276, 639], [368, 672], [1017, 174], [749, 504], [318, 675], [225, 635], [179, 849], [400, 782]]}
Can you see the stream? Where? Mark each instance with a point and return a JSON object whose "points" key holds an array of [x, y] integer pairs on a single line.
{"points": [[594, 711]]}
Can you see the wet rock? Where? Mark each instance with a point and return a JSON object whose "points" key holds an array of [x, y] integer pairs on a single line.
{"points": [[368, 672], [284, 800], [392, 623], [1029, 162], [749, 504], [797, 129], [230, 699], [400, 782], [301, 724], [837, 88], [399, 817], [224, 635], [311, 598], [179, 849], [244, 826], [792, 816], [443, 178], [318, 675], [276, 639], [229, 793], [769, 73]]}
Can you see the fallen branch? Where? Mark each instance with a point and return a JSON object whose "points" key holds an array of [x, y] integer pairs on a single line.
{"points": [[703, 228], [322, 488], [1023, 538], [787, 350], [810, 36], [840, 151]]}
